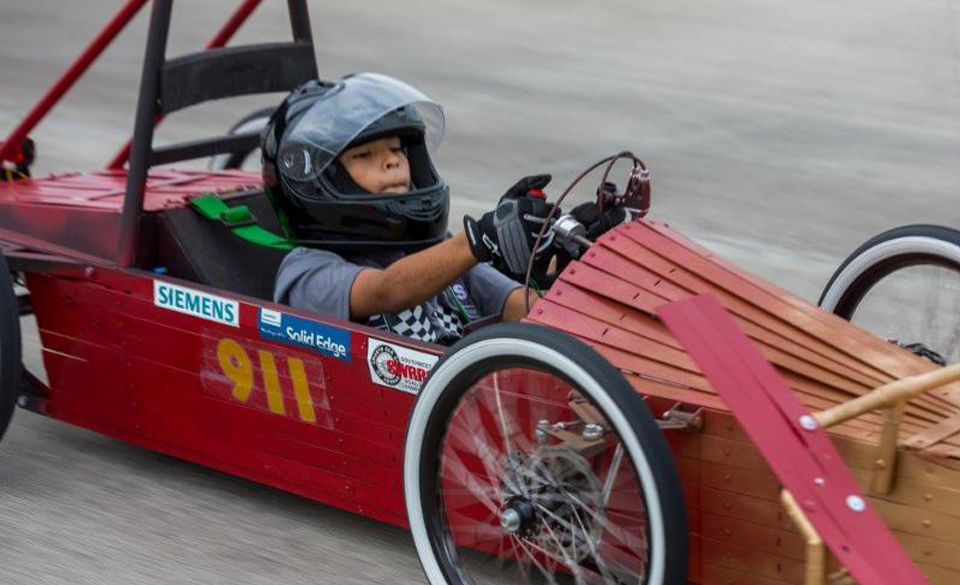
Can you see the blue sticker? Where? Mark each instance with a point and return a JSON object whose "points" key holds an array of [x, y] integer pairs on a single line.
{"points": [[329, 341]]}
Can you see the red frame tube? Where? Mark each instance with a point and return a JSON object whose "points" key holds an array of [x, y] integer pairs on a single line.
{"points": [[220, 39], [11, 146]]}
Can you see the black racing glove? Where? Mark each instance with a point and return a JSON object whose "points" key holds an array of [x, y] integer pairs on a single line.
{"points": [[506, 235], [596, 223]]}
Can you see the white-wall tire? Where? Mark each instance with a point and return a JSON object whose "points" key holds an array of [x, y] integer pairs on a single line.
{"points": [[889, 255], [595, 378]]}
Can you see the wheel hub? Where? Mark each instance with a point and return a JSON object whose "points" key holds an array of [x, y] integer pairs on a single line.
{"points": [[518, 517], [538, 503]]}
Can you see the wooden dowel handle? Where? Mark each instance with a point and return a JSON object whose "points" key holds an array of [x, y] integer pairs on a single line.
{"points": [[885, 395]]}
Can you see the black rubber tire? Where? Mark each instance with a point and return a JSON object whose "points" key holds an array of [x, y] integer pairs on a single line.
{"points": [[513, 344], [858, 274], [10, 357], [235, 160], [917, 327]]}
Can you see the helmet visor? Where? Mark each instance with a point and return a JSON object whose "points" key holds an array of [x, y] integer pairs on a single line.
{"points": [[344, 112]]}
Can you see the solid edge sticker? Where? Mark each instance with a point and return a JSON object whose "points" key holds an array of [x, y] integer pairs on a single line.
{"points": [[326, 340]]}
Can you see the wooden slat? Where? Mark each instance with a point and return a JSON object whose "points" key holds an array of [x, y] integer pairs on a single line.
{"points": [[806, 462]]}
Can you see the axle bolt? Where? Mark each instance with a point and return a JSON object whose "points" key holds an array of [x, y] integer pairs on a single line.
{"points": [[543, 426], [510, 520], [592, 432]]}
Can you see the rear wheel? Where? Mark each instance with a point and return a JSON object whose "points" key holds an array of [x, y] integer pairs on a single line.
{"points": [[9, 347], [904, 286], [530, 459]]}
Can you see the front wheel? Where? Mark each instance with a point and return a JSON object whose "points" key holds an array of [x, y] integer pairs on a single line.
{"points": [[904, 286], [9, 347], [530, 459]]}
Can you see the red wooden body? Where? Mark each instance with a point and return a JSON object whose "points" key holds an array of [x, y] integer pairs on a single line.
{"points": [[121, 365]]}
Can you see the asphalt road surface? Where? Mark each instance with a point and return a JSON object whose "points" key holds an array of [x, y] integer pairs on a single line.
{"points": [[780, 134]]}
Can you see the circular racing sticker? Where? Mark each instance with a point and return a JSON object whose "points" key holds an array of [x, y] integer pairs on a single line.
{"points": [[383, 361], [398, 367]]}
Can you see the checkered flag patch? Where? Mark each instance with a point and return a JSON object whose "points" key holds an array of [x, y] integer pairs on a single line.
{"points": [[416, 323], [450, 321]]}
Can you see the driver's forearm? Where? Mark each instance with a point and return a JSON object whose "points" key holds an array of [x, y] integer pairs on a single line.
{"points": [[411, 280], [515, 308]]}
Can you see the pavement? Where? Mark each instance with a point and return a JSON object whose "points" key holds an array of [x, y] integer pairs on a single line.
{"points": [[779, 134]]}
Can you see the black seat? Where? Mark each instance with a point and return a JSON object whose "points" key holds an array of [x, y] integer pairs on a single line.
{"points": [[192, 247]]}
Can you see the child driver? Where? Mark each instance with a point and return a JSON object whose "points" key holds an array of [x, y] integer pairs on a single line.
{"points": [[347, 167]]}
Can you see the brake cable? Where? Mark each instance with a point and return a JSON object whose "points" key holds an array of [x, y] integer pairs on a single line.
{"points": [[636, 192]]}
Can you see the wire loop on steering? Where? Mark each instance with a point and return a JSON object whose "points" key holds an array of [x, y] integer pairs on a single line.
{"points": [[638, 189]]}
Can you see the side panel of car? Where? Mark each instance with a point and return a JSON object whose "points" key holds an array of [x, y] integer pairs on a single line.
{"points": [[252, 389]]}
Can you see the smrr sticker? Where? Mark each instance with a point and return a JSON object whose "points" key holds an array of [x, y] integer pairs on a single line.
{"points": [[398, 367]]}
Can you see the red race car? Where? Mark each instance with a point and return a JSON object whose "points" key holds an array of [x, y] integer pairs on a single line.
{"points": [[581, 446]]}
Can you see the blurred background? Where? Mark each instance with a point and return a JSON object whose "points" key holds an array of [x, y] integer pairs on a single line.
{"points": [[779, 134]]}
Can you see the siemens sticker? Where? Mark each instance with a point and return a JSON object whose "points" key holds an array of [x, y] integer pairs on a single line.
{"points": [[290, 329], [197, 303]]}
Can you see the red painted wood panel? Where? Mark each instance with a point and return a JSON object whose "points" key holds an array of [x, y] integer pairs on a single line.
{"points": [[805, 461]]}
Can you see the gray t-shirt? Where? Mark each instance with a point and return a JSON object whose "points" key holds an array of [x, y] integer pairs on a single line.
{"points": [[320, 281]]}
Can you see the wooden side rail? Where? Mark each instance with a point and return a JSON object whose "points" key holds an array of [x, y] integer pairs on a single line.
{"points": [[815, 572], [833, 508], [887, 395], [892, 398]]}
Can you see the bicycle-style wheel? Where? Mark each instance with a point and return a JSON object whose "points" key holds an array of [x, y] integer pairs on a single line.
{"points": [[10, 347], [530, 459], [904, 286]]}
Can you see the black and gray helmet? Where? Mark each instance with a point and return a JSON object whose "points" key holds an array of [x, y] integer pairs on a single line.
{"points": [[317, 201]]}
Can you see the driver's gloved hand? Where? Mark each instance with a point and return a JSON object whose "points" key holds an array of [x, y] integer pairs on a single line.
{"points": [[506, 235], [596, 223]]}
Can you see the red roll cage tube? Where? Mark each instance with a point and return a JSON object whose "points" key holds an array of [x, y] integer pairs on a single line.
{"points": [[155, 99]]}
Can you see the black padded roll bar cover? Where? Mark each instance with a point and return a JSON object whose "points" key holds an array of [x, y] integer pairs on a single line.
{"points": [[246, 142], [233, 71]]}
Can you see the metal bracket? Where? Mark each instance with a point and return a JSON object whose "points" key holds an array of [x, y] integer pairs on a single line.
{"points": [[677, 419], [33, 392]]}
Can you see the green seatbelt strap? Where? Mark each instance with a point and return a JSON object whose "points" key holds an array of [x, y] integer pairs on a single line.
{"points": [[239, 220]]}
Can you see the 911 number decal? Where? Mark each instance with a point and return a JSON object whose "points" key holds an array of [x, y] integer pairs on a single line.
{"points": [[240, 367]]}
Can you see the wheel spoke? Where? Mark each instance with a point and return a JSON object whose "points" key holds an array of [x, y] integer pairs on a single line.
{"points": [[550, 575], [469, 481], [631, 542], [605, 573], [523, 511], [611, 476], [503, 421], [490, 460]]}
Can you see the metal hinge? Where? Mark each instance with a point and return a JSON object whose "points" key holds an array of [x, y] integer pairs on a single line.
{"points": [[678, 419]]}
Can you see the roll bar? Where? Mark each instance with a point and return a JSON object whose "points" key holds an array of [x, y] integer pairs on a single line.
{"points": [[170, 85]]}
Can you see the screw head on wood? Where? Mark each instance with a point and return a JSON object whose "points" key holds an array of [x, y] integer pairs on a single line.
{"points": [[808, 423], [856, 503]]}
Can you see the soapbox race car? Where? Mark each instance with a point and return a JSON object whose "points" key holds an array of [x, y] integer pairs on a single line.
{"points": [[660, 418]]}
